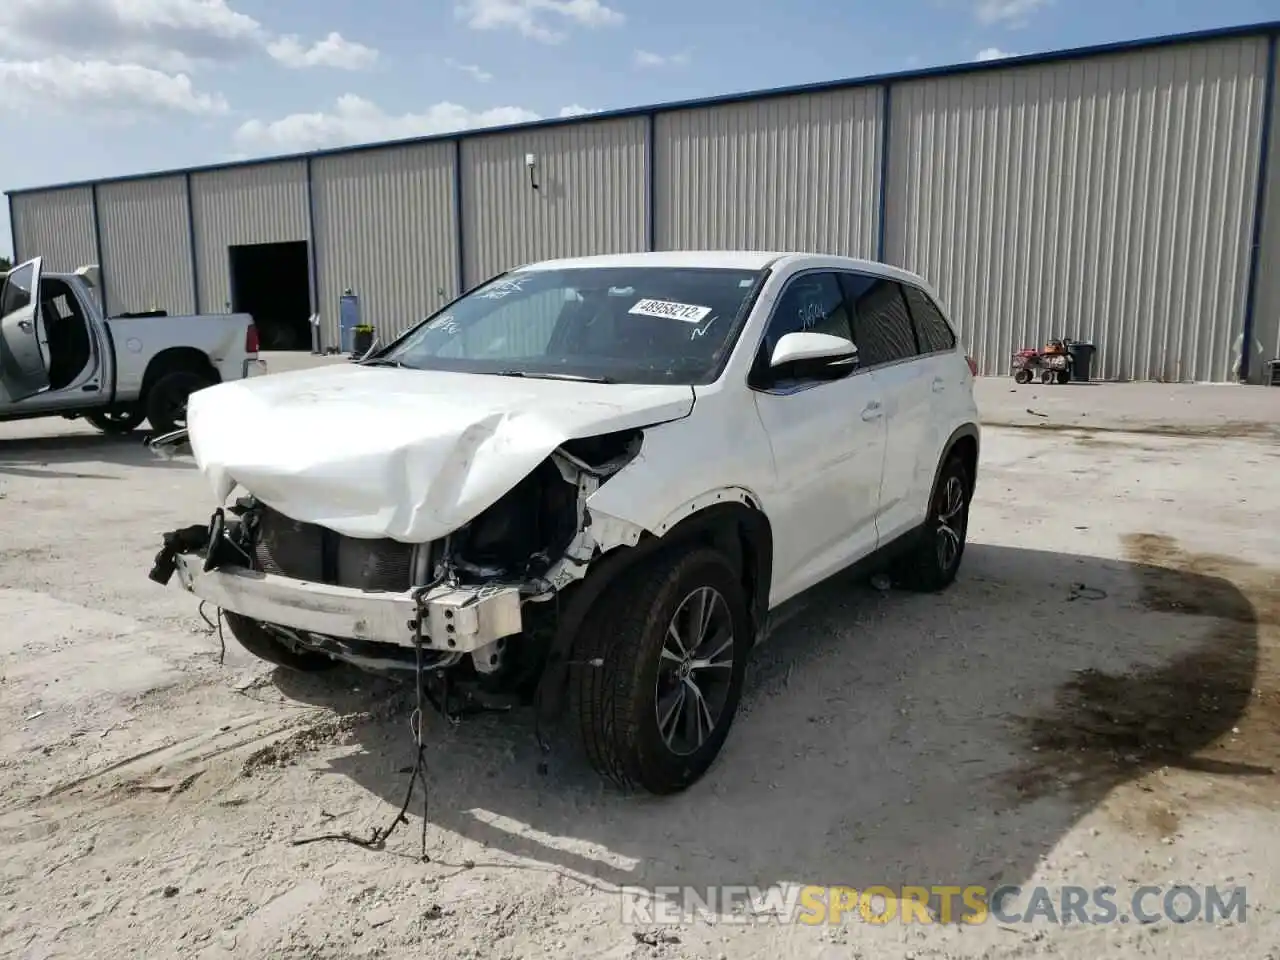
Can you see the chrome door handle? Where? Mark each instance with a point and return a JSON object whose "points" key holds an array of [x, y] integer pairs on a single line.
{"points": [[871, 411], [939, 385]]}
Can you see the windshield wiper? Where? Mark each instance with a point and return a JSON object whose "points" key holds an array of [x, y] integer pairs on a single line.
{"points": [[554, 376], [381, 362]]}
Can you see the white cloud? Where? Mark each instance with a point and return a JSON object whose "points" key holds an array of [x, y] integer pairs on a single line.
{"points": [[647, 58], [97, 86], [1013, 13], [993, 53], [357, 120], [575, 110], [477, 73], [532, 18], [169, 35], [333, 51]]}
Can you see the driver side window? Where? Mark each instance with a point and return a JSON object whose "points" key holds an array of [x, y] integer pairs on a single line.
{"points": [[811, 303], [17, 290]]}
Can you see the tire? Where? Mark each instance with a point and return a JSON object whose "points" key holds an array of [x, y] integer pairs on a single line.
{"points": [[116, 423], [1022, 376], [617, 702], [166, 401], [933, 562], [264, 646], [1061, 377], [1046, 376]]}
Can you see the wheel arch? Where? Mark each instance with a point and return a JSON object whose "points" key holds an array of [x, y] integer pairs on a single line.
{"points": [[732, 524], [965, 441], [172, 359]]}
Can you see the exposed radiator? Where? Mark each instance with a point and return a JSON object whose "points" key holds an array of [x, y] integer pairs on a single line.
{"points": [[305, 551]]}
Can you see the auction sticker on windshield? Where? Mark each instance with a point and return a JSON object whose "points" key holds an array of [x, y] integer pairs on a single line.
{"points": [[687, 312]]}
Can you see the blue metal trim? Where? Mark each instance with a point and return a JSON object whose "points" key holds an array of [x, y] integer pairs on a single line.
{"points": [[195, 256], [459, 217], [651, 184], [882, 188], [313, 269], [13, 233], [97, 249], [1259, 202], [1053, 56]]}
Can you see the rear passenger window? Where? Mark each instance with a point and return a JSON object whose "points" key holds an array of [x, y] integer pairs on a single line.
{"points": [[931, 329], [881, 322]]}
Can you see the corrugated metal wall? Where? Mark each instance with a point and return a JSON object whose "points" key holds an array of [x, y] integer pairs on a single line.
{"points": [[592, 182], [792, 173], [260, 204], [385, 227], [56, 225], [146, 245], [1266, 305], [1107, 199]]}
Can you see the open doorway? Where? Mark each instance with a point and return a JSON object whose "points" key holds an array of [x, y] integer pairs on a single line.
{"points": [[271, 283]]}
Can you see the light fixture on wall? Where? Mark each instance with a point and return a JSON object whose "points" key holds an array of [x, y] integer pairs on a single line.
{"points": [[531, 161]]}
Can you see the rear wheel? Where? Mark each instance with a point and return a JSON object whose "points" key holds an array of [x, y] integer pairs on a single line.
{"points": [[116, 422], [1022, 376], [658, 671], [934, 561], [255, 638], [167, 398]]}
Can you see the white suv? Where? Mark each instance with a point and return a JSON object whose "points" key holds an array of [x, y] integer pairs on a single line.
{"points": [[590, 482]]}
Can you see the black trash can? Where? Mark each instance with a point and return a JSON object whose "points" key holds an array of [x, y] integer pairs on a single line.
{"points": [[361, 341], [1081, 358]]}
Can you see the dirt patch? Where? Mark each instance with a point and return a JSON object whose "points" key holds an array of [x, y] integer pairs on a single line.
{"points": [[284, 752], [1212, 710]]}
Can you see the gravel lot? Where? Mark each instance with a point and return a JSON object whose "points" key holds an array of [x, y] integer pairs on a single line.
{"points": [[1095, 702]]}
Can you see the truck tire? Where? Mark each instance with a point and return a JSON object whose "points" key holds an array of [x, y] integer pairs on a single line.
{"points": [[166, 400], [116, 423], [932, 563], [658, 670], [264, 646]]}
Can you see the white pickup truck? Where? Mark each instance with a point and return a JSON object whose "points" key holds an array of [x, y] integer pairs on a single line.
{"points": [[60, 356]]}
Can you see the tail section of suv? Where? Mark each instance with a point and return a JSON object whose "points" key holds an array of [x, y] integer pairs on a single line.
{"points": [[589, 483]]}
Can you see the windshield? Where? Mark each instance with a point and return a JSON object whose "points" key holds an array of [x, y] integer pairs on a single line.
{"points": [[613, 324]]}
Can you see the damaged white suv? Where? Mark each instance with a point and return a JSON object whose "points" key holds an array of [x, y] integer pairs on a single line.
{"points": [[591, 482]]}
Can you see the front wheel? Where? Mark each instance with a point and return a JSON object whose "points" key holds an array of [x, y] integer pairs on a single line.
{"points": [[116, 423], [658, 671], [255, 638], [167, 398], [935, 559]]}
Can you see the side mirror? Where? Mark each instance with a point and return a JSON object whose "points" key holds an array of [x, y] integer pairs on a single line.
{"points": [[808, 354]]}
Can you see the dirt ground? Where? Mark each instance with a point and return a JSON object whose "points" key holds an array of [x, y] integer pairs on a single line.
{"points": [[1095, 702]]}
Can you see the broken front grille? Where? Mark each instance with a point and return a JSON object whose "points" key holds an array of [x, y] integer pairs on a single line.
{"points": [[306, 551]]}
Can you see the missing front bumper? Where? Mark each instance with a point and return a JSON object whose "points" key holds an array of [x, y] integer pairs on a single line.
{"points": [[455, 619]]}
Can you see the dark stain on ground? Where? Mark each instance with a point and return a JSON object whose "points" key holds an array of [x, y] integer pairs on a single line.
{"points": [[1228, 430], [1214, 709]]}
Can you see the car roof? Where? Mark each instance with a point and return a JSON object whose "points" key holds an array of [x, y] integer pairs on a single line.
{"points": [[725, 259]]}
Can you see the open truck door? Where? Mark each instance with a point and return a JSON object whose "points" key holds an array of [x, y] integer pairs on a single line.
{"points": [[24, 352]]}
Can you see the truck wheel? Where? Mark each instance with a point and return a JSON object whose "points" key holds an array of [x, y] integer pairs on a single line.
{"points": [[264, 646], [934, 561], [116, 422], [167, 398], [658, 671]]}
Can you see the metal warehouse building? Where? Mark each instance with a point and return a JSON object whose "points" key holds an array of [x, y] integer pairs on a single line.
{"points": [[1119, 194]]}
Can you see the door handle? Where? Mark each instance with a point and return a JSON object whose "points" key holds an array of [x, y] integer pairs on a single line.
{"points": [[871, 411], [939, 384], [25, 326]]}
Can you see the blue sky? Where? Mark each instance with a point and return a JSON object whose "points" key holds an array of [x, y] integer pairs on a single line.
{"points": [[98, 88]]}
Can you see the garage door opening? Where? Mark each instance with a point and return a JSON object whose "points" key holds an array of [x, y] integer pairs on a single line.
{"points": [[270, 282]]}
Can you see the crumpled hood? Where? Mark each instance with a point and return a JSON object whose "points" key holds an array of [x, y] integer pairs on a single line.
{"points": [[407, 454]]}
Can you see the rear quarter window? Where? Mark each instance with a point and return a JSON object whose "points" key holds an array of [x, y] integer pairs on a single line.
{"points": [[932, 329]]}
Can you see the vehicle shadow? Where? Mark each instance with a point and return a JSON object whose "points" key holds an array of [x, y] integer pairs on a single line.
{"points": [[889, 738], [28, 456]]}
